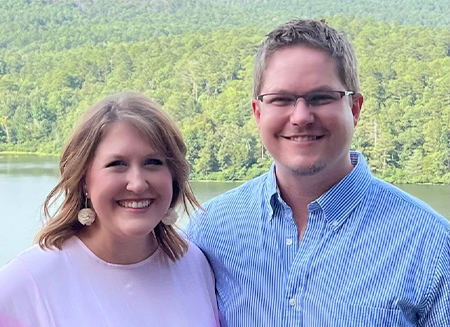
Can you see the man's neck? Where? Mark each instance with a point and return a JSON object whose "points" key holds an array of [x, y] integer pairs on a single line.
{"points": [[300, 190], [307, 188]]}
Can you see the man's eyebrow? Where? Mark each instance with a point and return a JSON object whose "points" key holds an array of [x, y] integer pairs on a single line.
{"points": [[316, 89], [320, 88]]}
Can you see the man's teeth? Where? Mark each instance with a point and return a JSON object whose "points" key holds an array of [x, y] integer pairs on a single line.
{"points": [[304, 138], [134, 204]]}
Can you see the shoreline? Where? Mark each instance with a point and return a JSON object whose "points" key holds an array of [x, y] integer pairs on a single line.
{"points": [[42, 154]]}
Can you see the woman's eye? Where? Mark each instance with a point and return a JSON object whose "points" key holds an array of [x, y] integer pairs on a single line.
{"points": [[116, 163], [153, 161]]}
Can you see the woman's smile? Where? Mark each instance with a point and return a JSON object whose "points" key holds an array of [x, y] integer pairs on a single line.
{"points": [[134, 204]]}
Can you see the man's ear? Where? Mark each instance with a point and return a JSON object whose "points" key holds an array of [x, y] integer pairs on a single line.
{"points": [[357, 102], [256, 110]]}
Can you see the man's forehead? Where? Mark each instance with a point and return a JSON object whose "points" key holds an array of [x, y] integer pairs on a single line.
{"points": [[299, 69]]}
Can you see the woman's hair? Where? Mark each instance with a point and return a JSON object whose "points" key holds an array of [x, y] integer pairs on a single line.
{"points": [[156, 127], [310, 33]]}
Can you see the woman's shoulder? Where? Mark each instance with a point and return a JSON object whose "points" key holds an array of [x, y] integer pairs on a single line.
{"points": [[36, 263], [22, 283], [29, 264], [195, 261], [18, 283], [194, 253], [28, 257]]}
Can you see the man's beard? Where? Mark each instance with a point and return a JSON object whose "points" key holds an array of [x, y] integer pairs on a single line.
{"points": [[311, 170]]}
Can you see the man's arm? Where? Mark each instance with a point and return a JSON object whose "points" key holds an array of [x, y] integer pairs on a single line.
{"points": [[437, 312]]}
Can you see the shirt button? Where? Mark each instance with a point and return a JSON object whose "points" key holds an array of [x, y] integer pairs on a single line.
{"points": [[289, 241], [292, 302]]}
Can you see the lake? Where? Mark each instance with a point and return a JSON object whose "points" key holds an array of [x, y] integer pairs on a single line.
{"points": [[25, 181]]}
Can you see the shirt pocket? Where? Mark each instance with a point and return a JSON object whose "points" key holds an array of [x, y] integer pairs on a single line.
{"points": [[351, 315]]}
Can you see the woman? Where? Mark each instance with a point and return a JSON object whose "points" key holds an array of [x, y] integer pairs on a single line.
{"points": [[109, 255]]}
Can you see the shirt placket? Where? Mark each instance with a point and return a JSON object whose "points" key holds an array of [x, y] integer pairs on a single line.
{"points": [[298, 273]]}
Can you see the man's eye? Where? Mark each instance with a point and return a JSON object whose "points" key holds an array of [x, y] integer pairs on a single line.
{"points": [[153, 161], [318, 99], [116, 163], [281, 101]]}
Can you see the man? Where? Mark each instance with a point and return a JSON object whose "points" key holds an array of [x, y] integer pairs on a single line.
{"points": [[319, 241]]}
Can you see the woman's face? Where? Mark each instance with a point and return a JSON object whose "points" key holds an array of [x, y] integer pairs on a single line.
{"points": [[129, 185]]}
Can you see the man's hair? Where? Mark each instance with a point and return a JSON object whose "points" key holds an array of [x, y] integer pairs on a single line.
{"points": [[156, 127], [315, 34]]}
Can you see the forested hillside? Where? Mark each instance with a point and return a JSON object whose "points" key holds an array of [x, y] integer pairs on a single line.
{"points": [[195, 58]]}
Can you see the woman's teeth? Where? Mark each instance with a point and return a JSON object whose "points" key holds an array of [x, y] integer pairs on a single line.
{"points": [[134, 204]]}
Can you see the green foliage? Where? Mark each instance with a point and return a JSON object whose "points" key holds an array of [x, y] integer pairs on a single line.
{"points": [[195, 58]]}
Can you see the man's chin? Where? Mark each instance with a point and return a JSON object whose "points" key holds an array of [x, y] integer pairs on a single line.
{"points": [[309, 170]]}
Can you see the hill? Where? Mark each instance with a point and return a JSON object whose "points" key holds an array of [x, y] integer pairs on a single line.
{"points": [[195, 58]]}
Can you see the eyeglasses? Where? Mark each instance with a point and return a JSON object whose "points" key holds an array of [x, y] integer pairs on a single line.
{"points": [[312, 99]]}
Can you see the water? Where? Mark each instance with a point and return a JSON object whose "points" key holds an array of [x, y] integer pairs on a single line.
{"points": [[26, 180]]}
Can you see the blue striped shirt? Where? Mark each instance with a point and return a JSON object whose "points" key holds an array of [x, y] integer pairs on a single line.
{"points": [[371, 255]]}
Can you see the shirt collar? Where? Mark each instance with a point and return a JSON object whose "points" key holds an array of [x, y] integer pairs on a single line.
{"points": [[271, 192], [339, 201]]}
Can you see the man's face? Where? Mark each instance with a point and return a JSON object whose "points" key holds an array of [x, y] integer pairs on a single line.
{"points": [[306, 140]]}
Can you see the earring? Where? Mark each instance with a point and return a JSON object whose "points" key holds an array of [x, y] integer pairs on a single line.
{"points": [[170, 217], [86, 216]]}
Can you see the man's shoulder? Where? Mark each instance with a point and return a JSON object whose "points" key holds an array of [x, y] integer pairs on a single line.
{"points": [[408, 208], [243, 194], [227, 209]]}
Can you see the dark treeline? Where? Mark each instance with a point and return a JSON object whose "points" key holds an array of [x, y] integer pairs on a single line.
{"points": [[195, 58]]}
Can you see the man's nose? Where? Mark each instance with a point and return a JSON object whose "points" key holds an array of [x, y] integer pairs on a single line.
{"points": [[301, 113]]}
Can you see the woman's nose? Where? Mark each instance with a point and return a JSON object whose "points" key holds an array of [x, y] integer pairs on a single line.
{"points": [[136, 181]]}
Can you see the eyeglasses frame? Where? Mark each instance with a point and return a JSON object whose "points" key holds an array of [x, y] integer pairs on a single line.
{"points": [[260, 97]]}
